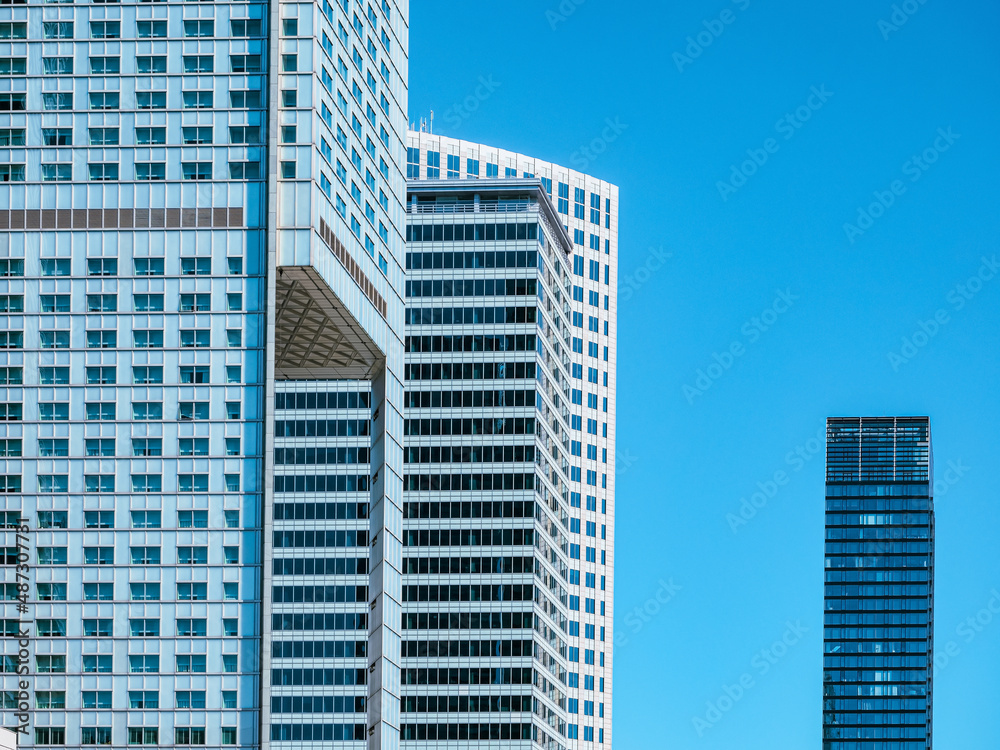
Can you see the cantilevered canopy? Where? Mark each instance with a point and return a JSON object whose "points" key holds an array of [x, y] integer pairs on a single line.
{"points": [[316, 338]]}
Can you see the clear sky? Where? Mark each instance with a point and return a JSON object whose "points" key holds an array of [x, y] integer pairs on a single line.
{"points": [[755, 258]]}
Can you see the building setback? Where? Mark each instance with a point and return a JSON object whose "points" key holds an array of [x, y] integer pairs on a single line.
{"points": [[507, 531], [879, 590]]}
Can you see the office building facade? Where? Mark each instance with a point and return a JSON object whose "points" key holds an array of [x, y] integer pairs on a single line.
{"points": [[509, 450], [879, 585], [198, 201], [319, 572], [506, 571], [202, 283]]}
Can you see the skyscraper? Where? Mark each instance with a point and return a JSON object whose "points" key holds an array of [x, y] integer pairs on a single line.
{"points": [[197, 201], [202, 364], [879, 590], [507, 522], [318, 650], [508, 529], [337, 310]]}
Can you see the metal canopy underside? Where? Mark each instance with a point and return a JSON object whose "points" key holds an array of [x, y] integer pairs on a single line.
{"points": [[316, 338]]}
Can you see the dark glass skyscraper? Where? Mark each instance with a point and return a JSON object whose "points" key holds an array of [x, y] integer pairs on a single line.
{"points": [[879, 591]]}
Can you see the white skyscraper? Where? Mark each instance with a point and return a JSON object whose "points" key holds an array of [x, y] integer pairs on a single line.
{"points": [[509, 451]]}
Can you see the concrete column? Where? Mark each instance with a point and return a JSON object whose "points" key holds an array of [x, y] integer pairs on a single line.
{"points": [[385, 579]]}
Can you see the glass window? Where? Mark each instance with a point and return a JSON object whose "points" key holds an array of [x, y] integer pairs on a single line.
{"points": [[151, 64], [153, 99], [58, 66], [55, 266], [195, 99], [16, 30], [204, 27], [196, 170], [151, 29], [11, 136], [105, 65], [150, 171], [57, 172], [198, 63]]}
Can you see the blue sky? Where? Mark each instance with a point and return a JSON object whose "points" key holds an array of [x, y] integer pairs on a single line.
{"points": [[879, 317]]}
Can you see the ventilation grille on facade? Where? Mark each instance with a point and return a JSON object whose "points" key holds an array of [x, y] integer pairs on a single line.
{"points": [[352, 267], [878, 450]]}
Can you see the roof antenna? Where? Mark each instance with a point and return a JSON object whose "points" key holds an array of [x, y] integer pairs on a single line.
{"points": [[432, 122]]}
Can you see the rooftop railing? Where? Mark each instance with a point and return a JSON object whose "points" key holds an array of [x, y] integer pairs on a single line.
{"points": [[469, 207]]}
